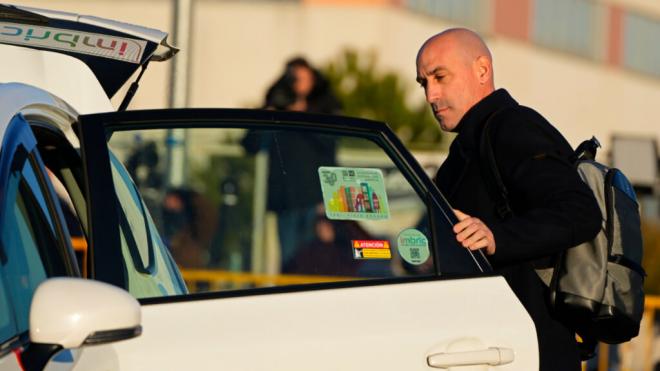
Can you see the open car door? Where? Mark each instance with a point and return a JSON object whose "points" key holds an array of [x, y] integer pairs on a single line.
{"points": [[305, 242]]}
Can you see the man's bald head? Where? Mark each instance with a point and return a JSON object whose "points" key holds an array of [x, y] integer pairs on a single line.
{"points": [[455, 69], [464, 41]]}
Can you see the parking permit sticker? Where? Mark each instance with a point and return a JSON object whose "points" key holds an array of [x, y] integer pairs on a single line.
{"points": [[413, 246], [353, 193], [371, 249]]}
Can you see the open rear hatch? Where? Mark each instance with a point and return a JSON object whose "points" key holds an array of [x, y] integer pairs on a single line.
{"points": [[112, 50]]}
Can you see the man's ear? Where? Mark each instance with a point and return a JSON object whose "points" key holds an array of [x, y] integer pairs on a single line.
{"points": [[484, 69]]}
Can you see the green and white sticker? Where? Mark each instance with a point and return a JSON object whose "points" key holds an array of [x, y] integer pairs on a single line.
{"points": [[353, 193], [413, 246]]}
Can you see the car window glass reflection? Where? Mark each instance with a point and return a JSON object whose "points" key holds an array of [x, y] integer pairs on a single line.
{"points": [[7, 325], [24, 234], [148, 266], [241, 208]]}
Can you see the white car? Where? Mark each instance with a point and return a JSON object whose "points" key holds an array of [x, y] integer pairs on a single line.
{"points": [[305, 241]]}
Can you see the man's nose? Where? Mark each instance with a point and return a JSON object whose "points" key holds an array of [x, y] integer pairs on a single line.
{"points": [[432, 93]]}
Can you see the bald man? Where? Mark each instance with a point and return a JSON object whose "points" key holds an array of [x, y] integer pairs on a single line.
{"points": [[553, 209]]}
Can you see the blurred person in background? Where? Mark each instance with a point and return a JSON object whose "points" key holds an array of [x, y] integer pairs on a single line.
{"points": [[328, 253], [302, 88], [294, 189], [188, 226]]}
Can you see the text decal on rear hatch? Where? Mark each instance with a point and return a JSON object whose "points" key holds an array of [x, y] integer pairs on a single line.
{"points": [[105, 46]]}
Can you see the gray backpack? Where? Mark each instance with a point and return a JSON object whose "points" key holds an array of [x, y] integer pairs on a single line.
{"points": [[595, 288]]}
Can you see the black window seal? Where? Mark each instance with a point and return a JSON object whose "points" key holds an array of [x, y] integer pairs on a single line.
{"points": [[322, 286]]}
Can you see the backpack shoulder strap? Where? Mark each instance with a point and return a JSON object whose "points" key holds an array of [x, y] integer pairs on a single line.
{"points": [[500, 195], [492, 176]]}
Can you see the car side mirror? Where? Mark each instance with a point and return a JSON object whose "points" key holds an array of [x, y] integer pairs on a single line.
{"points": [[70, 313]]}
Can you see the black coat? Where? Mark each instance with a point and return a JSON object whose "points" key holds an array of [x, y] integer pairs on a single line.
{"points": [[553, 208]]}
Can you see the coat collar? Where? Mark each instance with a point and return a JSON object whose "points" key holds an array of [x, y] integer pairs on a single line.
{"points": [[472, 122]]}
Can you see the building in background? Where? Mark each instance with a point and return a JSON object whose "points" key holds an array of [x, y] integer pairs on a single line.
{"points": [[591, 67]]}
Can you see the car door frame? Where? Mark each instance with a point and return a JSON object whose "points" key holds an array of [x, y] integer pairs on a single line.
{"points": [[105, 256]]}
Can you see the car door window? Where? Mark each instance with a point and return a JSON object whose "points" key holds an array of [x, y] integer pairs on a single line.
{"points": [[242, 206], [254, 204], [31, 241], [20, 239], [7, 322]]}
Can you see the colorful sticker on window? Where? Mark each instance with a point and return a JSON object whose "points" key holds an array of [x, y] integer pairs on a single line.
{"points": [[413, 246], [371, 249], [354, 193]]}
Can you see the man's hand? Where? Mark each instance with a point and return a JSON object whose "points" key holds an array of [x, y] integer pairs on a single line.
{"points": [[473, 234]]}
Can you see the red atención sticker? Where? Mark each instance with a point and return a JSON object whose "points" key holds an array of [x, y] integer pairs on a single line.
{"points": [[371, 244], [371, 249]]}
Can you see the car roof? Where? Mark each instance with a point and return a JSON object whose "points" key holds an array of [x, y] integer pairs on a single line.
{"points": [[112, 50], [21, 98]]}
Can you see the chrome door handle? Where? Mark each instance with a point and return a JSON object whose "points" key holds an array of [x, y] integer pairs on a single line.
{"points": [[490, 356]]}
